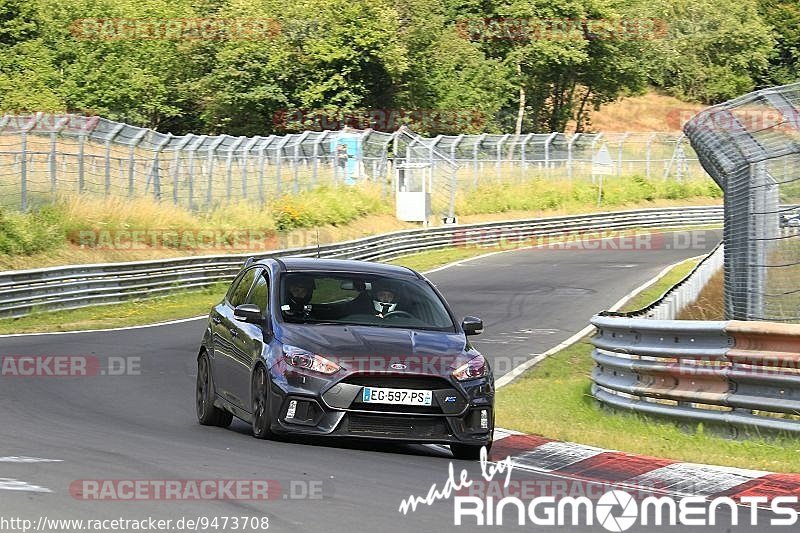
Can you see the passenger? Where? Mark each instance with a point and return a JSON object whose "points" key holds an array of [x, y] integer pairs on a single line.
{"points": [[299, 290]]}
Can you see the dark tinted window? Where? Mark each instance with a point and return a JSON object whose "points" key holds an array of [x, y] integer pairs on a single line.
{"points": [[239, 292], [259, 294], [361, 299]]}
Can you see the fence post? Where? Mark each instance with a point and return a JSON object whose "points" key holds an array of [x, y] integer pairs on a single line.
{"points": [[53, 163], [619, 153], [278, 159], [245, 159], [23, 198], [547, 150], [477, 146], [648, 151], [81, 169], [211, 157], [229, 168], [111, 136], [132, 161], [315, 157], [192, 151], [295, 157], [156, 170], [176, 169], [261, 161], [500, 154], [570, 154]]}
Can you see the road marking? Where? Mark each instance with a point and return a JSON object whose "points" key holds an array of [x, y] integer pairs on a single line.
{"points": [[16, 485], [696, 479], [15, 459]]}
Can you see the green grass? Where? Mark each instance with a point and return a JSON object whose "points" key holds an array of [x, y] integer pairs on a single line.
{"points": [[179, 305], [554, 400], [654, 291], [94, 223], [569, 195]]}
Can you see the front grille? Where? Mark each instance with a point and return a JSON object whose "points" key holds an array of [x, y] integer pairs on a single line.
{"points": [[395, 408], [398, 426], [395, 381]]}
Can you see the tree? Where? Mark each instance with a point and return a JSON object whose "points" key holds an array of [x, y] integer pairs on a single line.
{"points": [[714, 49]]}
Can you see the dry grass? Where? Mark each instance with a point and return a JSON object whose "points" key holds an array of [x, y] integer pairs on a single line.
{"points": [[646, 113], [710, 304]]}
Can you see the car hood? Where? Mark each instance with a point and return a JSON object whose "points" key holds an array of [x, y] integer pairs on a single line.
{"points": [[365, 348]]}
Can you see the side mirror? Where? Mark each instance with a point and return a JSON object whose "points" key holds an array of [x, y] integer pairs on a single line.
{"points": [[472, 325], [248, 313]]}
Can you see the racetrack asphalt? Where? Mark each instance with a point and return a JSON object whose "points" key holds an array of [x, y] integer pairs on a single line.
{"points": [[142, 425]]}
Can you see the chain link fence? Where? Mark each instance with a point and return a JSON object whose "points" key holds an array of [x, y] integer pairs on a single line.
{"points": [[45, 155], [751, 147]]}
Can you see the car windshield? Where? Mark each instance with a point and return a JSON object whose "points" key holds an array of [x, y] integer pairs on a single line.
{"points": [[361, 299]]}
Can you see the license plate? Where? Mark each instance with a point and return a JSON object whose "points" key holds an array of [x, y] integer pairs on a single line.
{"points": [[397, 396]]}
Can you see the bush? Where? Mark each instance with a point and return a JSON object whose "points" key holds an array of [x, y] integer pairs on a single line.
{"points": [[29, 233]]}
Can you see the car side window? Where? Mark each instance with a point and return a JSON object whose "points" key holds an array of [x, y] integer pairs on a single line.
{"points": [[259, 294], [238, 293]]}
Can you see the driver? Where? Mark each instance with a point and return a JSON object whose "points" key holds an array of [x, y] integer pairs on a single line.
{"points": [[384, 299], [299, 290]]}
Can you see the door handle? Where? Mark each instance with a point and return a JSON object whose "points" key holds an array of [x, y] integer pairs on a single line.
{"points": [[233, 332]]}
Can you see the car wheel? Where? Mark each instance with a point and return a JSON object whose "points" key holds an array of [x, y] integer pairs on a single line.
{"points": [[468, 452], [207, 413], [261, 410]]}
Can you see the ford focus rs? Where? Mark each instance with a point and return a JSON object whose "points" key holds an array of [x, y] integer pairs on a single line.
{"points": [[344, 349]]}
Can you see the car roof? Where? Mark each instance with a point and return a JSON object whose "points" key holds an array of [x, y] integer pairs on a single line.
{"points": [[344, 265]]}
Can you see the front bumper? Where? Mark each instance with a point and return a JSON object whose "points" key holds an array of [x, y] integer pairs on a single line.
{"points": [[461, 412]]}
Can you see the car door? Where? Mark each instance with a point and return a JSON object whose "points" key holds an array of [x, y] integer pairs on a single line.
{"points": [[248, 342], [225, 331]]}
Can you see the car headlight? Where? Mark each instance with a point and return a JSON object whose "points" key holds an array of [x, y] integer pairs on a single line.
{"points": [[472, 369], [299, 358]]}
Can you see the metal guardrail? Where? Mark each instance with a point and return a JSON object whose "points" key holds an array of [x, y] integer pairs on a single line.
{"points": [[70, 287], [740, 374]]}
